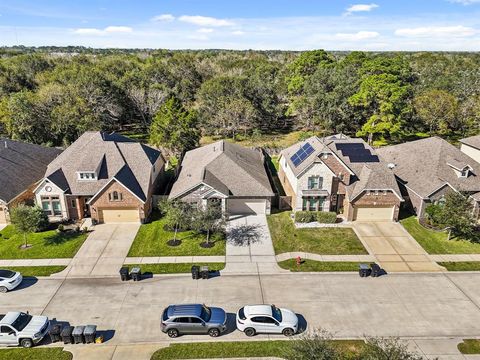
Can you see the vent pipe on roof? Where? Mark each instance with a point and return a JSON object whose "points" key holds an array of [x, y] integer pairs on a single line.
{"points": [[391, 166], [6, 145]]}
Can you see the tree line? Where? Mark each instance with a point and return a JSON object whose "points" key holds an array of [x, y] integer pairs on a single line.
{"points": [[175, 97]]}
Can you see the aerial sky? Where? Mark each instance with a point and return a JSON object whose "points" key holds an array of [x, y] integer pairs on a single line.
{"points": [[244, 24]]}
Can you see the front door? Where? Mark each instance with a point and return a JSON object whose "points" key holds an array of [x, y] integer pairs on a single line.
{"points": [[7, 335], [86, 207]]}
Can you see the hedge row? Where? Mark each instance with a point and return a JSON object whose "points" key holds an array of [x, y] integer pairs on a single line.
{"points": [[320, 216]]}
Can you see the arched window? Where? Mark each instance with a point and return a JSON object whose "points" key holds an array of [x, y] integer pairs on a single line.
{"points": [[115, 196]]}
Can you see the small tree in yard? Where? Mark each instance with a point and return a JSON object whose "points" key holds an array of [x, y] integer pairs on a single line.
{"points": [[27, 220], [209, 220], [387, 349], [177, 216]]}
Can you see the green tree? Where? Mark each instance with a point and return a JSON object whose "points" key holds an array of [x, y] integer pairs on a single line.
{"points": [[305, 65], [178, 215], [387, 349], [209, 220], [437, 109], [27, 220], [316, 345], [175, 128], [458, 214]]}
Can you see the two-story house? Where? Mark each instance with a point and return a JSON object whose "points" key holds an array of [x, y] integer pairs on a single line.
{"points": [[108, 177], [340, 174]]}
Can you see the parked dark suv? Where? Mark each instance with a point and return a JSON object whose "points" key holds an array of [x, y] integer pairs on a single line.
{"points": [[193, 319]]}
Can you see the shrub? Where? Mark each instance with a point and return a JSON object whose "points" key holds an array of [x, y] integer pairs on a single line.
{"points": [[61, 228], [324, 217], [305, 216]]}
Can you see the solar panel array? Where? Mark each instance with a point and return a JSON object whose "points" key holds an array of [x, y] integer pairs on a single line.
{"points": [[356, 152], [304, 152]]}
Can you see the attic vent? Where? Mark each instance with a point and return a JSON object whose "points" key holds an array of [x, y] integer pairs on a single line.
{"points": [[391, 166]]}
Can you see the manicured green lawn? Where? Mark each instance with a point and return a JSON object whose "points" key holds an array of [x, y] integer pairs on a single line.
{"points": [[326, 241], [45, 245], [212, 350], [53, 353], [312, 265], [175, 268], [36, 270], [469, 346], [151, 240], [461, 266], [436, 242]]}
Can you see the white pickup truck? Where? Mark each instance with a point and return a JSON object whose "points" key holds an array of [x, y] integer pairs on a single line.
{"points": [[18, 328]]}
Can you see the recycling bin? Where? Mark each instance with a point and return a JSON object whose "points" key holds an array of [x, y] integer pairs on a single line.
{"points": [[364, 270], [204, 272], [55, 332], [135, 274], [195, 272], [78, 334], [66, 335], [89, 333], [124, 273]]}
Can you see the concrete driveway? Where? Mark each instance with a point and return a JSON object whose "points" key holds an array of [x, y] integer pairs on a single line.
{"points": [[103, 252], [394, 248]]}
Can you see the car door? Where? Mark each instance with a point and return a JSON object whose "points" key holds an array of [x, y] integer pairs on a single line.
{"points": [[7, 335], [257, 322], [271, 325], [197, 325], [182, 324]]}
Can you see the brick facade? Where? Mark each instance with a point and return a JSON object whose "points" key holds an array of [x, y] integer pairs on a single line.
{"points": [[372, 200]]}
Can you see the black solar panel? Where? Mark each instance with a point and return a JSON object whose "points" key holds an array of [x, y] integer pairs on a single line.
{"points": [[302, 153], [356, 152]]}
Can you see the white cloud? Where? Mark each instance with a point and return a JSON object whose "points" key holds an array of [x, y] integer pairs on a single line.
{"points": [[238, 32], [205, 30], [164, 17], [436, 31], [205, 20], [465, 2], [361, 35], [361, 8], [107, 30]]}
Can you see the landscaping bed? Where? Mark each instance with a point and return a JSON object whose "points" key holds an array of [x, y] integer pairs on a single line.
{"points": [[36, 270], [44, 245], [320, 266], [461, 265], [323, 241], [53, 353], [152, 238], [469, 346], [436, 242], [175, 268], [212, 350]]}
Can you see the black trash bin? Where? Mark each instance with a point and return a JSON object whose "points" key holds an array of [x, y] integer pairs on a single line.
{"points": [[66, 335], [55, 332], [135, 274], [89, 333], [124, 273], [364, 270], [78, 334], [204, 272], [376, 269], [195, 272]]}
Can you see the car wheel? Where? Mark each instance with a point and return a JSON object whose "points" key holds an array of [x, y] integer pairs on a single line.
{"points": [[173, 333], [249, 331], [26, 343], [288, 332], [3, 289], [213, 332]]}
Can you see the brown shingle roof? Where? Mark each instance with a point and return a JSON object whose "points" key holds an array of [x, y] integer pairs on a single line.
{"points": [[427, 165], [229, 168], [473, 141]]}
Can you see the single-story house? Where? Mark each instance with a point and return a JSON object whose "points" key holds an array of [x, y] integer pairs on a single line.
{"points": [[427, 169], [22, 166], [107, 177], [471, 147], [339, 174], [226, 175]]}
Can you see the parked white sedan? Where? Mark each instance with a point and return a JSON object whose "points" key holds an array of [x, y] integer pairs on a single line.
{"points": [[266, 319], [9, 280]]}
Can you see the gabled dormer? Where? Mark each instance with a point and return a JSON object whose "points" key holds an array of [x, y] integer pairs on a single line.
{"points": [[461, 169], [90, 169]]}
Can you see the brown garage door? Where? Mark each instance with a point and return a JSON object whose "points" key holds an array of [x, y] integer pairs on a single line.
{"points": [[374, 213], [119, 215], [246, 206], [3, 219]]}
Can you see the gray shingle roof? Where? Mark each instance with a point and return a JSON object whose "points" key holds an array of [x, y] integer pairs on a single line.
{"points": [[374, 176], [114, 155], [21, 165], [229, 168], [426, 165], [473, 141]]}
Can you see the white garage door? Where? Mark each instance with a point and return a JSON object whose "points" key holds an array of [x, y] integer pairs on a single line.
{"points": [[119, 215], [3, 220], [246, 206], [374, 213]]}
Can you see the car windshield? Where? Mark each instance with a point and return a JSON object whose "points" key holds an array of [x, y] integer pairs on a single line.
{"points": [[277, 313], [206, 313], [6, 274], [22, 321]]}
